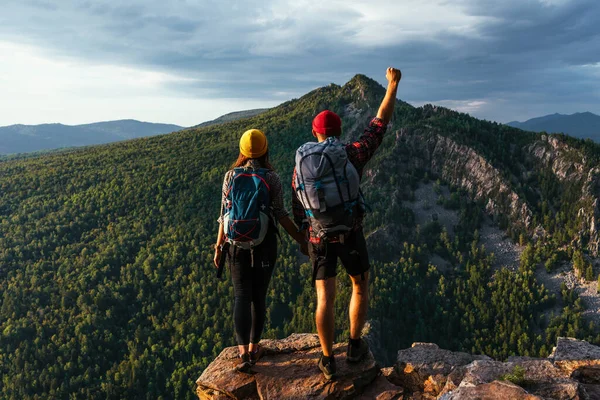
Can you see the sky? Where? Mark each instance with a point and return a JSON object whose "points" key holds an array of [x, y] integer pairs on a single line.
{"points": [[186, 61]]}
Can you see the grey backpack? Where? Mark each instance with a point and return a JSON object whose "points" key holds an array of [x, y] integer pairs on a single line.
{"points": [[327, 185]]}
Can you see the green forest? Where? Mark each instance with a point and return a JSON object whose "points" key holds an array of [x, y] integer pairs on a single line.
{"points": [[107, 286]]}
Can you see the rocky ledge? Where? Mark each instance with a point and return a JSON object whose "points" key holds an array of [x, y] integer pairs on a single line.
{"points": [[289, 371]]}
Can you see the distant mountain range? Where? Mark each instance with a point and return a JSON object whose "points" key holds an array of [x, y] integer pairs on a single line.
{"points": [[30, 138], [582, 125], [16, 139]]}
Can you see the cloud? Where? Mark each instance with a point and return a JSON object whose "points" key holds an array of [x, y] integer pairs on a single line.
{"points": [[539, 51], [80, 92]]}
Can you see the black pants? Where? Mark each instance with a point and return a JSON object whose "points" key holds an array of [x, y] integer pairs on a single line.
{"points": [[251, 272], [353, 254]]}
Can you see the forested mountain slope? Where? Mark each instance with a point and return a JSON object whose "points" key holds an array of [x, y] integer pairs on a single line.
{"points": [[233, 116], [106, 278]]}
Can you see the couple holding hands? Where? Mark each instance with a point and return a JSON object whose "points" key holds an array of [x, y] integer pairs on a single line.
{"points": [[328, 211]]}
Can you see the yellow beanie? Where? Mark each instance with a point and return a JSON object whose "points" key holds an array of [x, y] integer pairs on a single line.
{"points": [[253, 144]]}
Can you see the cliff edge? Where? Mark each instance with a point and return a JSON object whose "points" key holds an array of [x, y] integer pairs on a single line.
{"points": [[289, 371]]}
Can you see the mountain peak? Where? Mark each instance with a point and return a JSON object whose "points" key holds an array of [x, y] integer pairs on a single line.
{"points": [[364, 89], [364, 82]]}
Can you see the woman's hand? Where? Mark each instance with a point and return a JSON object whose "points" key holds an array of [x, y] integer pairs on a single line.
{"points": [[218, 249], [217, 256], [292, 230]]}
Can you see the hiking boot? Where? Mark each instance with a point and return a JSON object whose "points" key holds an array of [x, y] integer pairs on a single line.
{"points": [[256, 355], [244, 363], [328, 369], [356, 353]]}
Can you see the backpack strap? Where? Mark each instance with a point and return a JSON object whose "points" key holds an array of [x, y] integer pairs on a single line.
{"points": [[321, 196], [363, 201], [335, 176], [301, 185]]}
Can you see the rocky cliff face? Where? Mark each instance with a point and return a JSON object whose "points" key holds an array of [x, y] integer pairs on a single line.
{"points": [[569, 166], [591, 213], [511, 194], [463, 167], [424, 371]]}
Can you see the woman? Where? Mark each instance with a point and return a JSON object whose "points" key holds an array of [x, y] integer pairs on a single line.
{"points": [[252, 254]]}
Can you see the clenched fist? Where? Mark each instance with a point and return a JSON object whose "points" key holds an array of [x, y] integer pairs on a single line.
{"points": [[393, 75]]}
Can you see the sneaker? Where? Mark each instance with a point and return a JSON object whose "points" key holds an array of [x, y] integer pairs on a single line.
{"points": [[256, 355], [328, 369], [356, 353], [244, 363]]}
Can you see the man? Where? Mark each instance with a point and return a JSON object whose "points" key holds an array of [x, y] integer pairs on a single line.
{"points": [[324, 250]]}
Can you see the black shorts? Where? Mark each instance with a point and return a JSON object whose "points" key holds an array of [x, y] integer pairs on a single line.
{"points": [[353, 255]]}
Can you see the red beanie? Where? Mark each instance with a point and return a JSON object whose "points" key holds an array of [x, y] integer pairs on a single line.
{"points": [[327, 123]]}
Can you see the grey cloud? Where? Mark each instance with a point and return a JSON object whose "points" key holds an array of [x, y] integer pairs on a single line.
{"points": [[519, 51]]}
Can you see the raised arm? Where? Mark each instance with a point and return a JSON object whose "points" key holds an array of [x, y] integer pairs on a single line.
{"points": [[386, 110], [361, 151]]}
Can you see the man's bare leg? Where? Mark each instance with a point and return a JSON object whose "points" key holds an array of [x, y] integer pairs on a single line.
{"points": [[359, 303], [324, 315]]}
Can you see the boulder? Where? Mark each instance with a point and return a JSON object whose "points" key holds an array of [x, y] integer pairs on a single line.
{"points": [[539, 377], [592, 391], [454, 379], [496, 390], [382, 389], [572, 355], [425, 367]]}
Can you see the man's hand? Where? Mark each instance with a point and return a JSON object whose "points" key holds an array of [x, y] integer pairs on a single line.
{"points": [[386, 110], [393, 75]]}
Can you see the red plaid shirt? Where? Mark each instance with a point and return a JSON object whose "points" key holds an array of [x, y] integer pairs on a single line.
{"points": [[359, 153]]}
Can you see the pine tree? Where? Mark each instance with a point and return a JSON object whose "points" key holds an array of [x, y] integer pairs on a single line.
{"points": [[578, 263], [522, 240], [589, 273]]}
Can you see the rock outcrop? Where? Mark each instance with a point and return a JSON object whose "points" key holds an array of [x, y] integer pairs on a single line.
{"points": [[568, 166], [556, 154], [462, 167], [591, 221], [496, 390], [425, 148], [581, 361], [425, 367], [289, 371]]}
